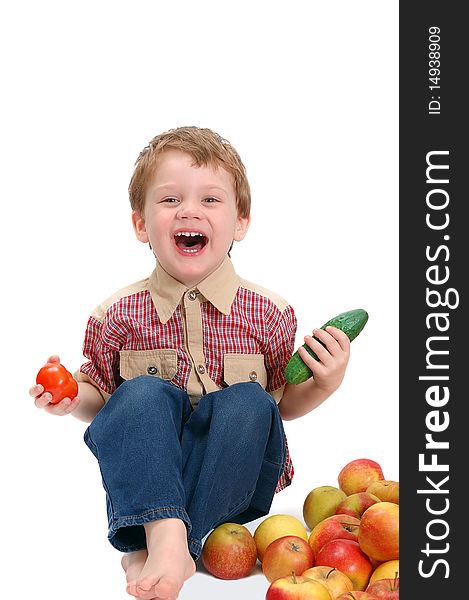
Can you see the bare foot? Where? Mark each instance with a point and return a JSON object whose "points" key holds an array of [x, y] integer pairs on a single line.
{"points": [[169, 562], [133, 563]]}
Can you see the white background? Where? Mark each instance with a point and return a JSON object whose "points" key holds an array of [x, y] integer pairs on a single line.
{"points": [[308, 94]]}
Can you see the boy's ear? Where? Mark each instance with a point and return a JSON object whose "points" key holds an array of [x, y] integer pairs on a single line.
{"points": [[139, 227], [242, 226]]}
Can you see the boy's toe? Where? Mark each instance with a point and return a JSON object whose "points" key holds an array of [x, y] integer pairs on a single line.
{"points": [[147, 592], [131, 589]]}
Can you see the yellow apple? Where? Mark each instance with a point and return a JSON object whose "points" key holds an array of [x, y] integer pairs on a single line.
{"points": [[336, 581], [386, 570], [385, 489], [274, 527], [296, 587], [320, 503], [356, 595]]}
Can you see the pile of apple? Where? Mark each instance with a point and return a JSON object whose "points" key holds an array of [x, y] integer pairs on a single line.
{"points": [[350, 553]]}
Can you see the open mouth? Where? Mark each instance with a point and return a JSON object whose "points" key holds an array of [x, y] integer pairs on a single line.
{"points": [[190, 242]]}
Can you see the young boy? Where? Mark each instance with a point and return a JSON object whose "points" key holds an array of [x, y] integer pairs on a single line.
{"points": [[184, 387]]}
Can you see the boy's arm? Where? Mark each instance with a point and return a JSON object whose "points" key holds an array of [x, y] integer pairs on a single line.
{"points": [[298, 400], [91, 402], [328, 373]]}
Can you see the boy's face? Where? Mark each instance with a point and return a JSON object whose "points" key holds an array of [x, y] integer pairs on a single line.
{"points": [[190, 217]]}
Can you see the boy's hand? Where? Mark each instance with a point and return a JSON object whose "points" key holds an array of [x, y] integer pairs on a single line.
{"points": [[43, 399], [329, 371]]}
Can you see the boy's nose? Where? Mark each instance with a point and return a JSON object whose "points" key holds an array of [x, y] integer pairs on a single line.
{"points": [[189, 209]]}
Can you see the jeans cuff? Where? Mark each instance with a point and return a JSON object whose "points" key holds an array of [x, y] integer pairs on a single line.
{"points": [[127, 533], [195, 548]]}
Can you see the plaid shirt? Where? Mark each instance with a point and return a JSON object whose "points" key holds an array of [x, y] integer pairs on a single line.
{"points": [[223, 331]]}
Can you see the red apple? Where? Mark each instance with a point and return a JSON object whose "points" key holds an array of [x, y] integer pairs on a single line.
{"points": [[274, 527], [387, 490], [358, 475], [356, 504], [356, 595], [336, 527], [385, 589], [229, 552], [378, 533], [347, 556], [336, 582], [297, 588], [286, 555]]}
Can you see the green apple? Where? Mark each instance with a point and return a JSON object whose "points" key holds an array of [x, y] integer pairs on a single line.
{"points": [[320, 503]]}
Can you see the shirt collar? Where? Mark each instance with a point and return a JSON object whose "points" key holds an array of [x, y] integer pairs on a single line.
{"points": [[219, 288]]}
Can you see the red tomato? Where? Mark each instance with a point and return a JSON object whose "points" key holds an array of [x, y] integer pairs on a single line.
{"points": [[56, 380]]}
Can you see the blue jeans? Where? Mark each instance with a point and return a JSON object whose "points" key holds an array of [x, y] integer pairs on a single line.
{"points": [[160, 458]]}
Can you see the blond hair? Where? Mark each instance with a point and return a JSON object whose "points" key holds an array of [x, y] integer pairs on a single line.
{"points": [[205, 147]]}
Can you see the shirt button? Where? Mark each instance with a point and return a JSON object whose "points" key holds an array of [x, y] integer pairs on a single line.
{"points": [[201, 369], [192, 295], [152, 370], [253, 376]]}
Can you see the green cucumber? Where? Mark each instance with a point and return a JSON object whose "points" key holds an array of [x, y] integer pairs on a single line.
{"points": [[351, 322]]}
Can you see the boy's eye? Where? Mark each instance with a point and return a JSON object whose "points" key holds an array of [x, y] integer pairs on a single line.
{"points": [[210, 199], [169, 200]]}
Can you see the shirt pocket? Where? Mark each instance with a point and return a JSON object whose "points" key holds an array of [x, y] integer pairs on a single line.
{"points": [[239, 367], [159, 363]]}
